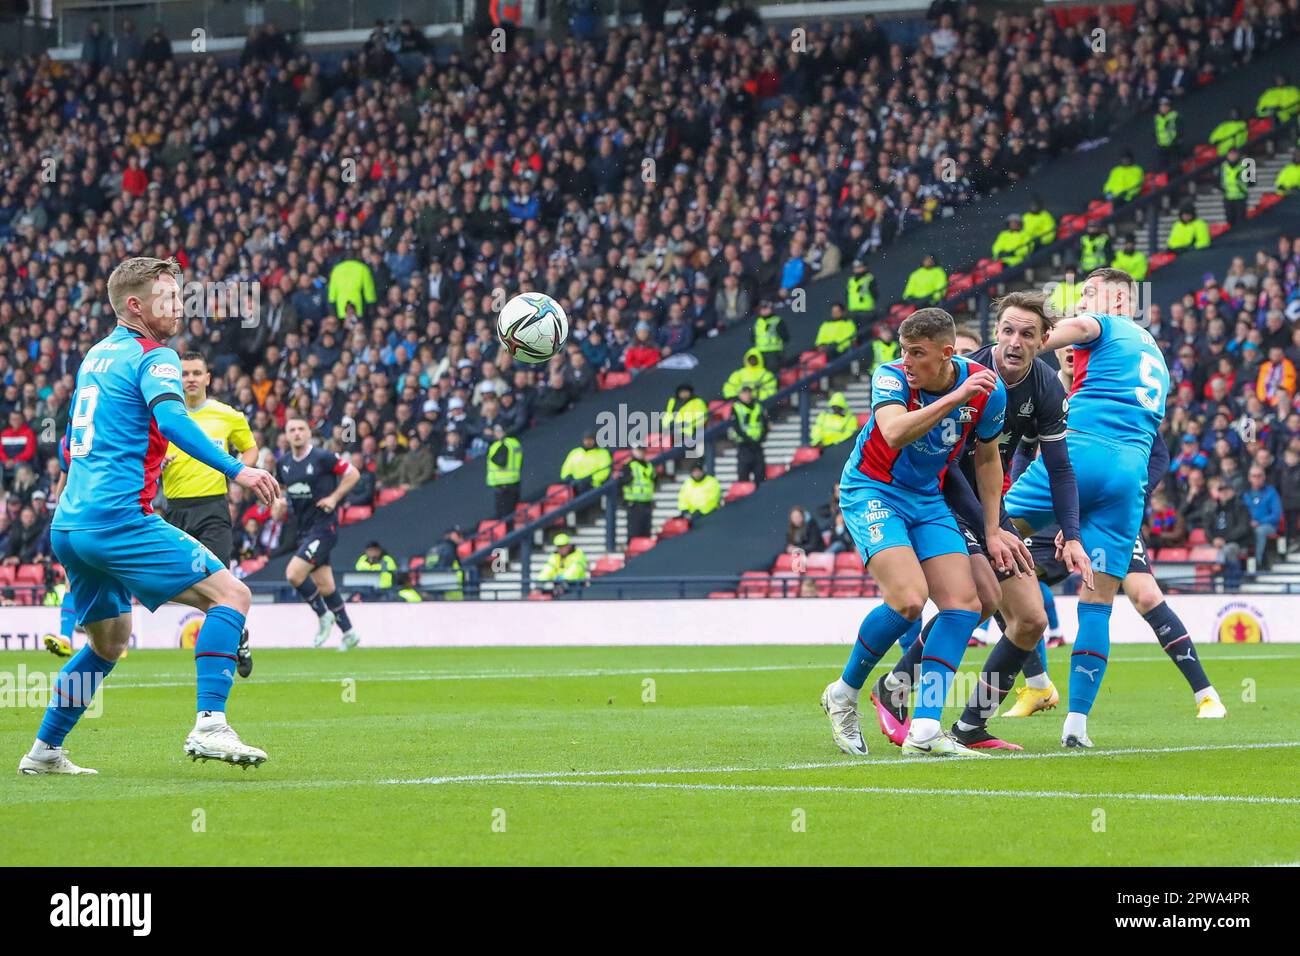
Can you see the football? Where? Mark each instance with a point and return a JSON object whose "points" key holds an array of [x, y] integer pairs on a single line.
{"points": [[532, 327]]}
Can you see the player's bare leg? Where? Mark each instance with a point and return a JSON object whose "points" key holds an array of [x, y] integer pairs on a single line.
{"points": [[324, 578], [952, 587], [301, 575], [903, 590], [1089, 655], [1143, 590], [107, 641], [225, 600]]}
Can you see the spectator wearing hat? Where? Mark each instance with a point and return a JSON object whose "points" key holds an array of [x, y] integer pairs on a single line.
{"points": [[375, 560], [1189, 232], [1169, 135], [834, 425], [566, 568]]}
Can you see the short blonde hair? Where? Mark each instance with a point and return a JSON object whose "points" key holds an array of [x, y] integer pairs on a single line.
{"points": [[137, 276]]}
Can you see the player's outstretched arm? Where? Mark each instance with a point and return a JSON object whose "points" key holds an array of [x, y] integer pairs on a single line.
{"points": [[346, 484], [1076, 330], [259, 482]]}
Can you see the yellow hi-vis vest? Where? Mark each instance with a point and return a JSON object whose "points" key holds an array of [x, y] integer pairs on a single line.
{"points": [[1166, 129], [694, 412], [507, 474], [926, 285], [1011, 247], [641, 487], [1228, 134], [1096, 250], [701, 496], [766, 336], [571, 568], [1230, 178], [838, 333], [1135, 264], [831, 428], [750, 418], [593, 463], [385, 566], [859, 294], [1041, 227]]}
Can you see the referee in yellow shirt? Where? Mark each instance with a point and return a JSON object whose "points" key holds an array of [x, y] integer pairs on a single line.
{"points": [[196, 494]]}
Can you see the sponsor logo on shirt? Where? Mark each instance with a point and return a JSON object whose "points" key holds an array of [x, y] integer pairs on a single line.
{"points": [[164, 371]]}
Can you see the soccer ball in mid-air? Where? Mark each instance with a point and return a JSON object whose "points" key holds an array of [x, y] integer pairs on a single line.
{"points": [[532, 327]]}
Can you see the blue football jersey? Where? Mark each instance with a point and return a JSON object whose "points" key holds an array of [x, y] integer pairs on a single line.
{"points": [[114, 448], [1120, 384], [920, 466]]}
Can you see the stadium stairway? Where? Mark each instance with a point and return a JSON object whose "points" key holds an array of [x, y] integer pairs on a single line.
{"points": [[780, 449]]}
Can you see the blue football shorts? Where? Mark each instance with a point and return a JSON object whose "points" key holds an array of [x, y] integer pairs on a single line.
{"points": [[879, 516]]}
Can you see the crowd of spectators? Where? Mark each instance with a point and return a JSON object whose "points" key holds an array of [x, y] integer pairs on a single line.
{"points": [[367, 214]]}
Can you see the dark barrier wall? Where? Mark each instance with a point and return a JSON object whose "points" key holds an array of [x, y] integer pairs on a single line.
{"points": [[411, 525]]}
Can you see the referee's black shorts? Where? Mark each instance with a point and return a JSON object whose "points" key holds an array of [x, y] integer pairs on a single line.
{"points": [[208, 520]]}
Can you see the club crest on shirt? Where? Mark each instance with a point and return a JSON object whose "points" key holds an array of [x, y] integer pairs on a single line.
{"points": [[1027, 409], [966, 414]]}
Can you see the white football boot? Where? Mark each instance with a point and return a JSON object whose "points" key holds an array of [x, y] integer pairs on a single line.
{"points": [[350, 640], [220, 742], [940, 745], [846, 725], [324, 628], [55, 760]]}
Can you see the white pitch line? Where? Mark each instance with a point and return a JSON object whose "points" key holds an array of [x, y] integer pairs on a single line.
{"points": [[897, 761], [423, 676], [909, 791]]}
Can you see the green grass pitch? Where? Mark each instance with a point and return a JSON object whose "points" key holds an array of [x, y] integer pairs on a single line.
{"points": [[560, 756]]}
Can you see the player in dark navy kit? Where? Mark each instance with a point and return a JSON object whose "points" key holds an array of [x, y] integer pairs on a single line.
{"points": [[315, 481], [1036, 410], [1038, 693]]}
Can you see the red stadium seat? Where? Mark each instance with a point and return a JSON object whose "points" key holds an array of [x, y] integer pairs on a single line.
{"points": [[722, 594], [738, 490], [354, 513], [1160, 260], [776, 471], [1205, 153], [1204, 554], [753, 584], [528, 513], [637, 546], [789, 376], [1266, 202], [846, 589], [539, 595], [30, 574], [1099, 211], [1258, 126], [784, 562], [464, 549], [1218, 229], [821, 563], [805, 456], [1197, 536], [622, 456], [6, 574], [610, 380], [719, 410], [252, 565], [1069, 226], [1175, 555], [848, 561], [816, 361], [785, 584], [387, 496], [675, 526], [657, 442], [863, 418], [607, 564]]}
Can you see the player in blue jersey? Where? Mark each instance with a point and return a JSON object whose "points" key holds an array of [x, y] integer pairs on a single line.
{"points": [[126, 407], [922, 409], [1116, 404]]}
